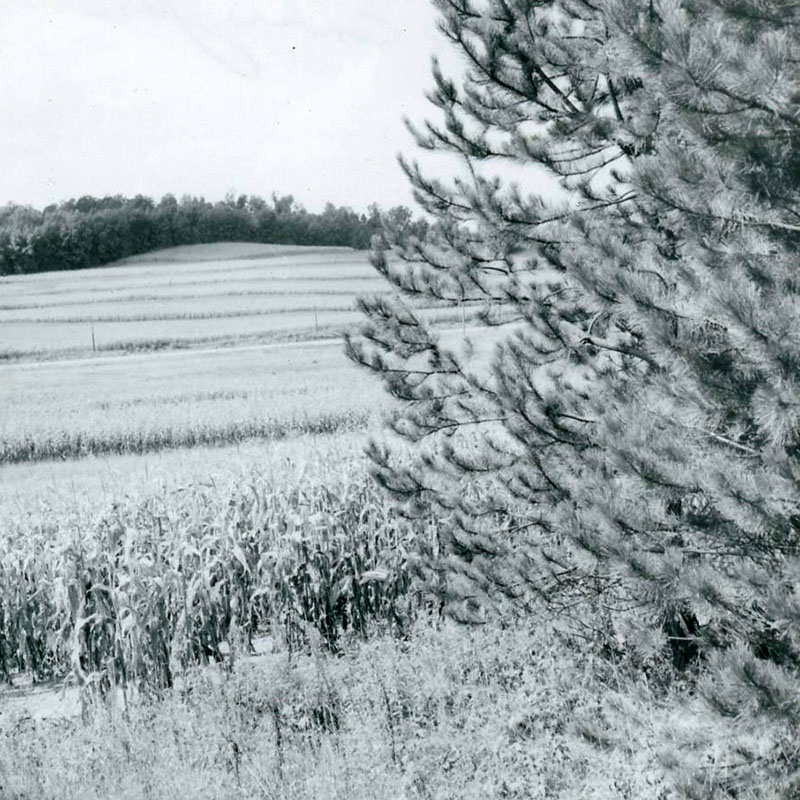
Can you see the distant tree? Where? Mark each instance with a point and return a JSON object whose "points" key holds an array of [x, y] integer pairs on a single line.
{"points": [[266, 224], [142, 231], [115, 202], [255, 204], [85, 204], [636, 432], [167, 221], [141, 203], [283, 205], [8, 257], [46, 245], [229, 223]]}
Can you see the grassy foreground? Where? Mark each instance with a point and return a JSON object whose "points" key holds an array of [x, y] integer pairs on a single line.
{"points": [[445, 713]]}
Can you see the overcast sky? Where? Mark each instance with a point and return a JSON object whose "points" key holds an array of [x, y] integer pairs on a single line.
{"points": [[302, 97]]}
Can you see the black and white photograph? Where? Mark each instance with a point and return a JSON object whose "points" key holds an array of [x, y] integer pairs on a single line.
{"points": [[400, 400]]}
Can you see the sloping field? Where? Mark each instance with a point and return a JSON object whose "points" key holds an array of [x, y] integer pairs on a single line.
{"points": [[188, 296], [151, 355], [242, 343], [233, 294], [184, 497], [195, 253]]}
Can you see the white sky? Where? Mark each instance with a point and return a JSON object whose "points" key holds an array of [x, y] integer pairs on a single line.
{"points": [[302, 97]]}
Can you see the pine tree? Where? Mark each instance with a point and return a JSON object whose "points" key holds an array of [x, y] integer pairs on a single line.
{"points": [[705, 448], [539, 95], [634, 431]]}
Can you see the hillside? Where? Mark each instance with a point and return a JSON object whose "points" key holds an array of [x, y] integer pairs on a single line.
{"points": [[198, 253], [200, 295]]}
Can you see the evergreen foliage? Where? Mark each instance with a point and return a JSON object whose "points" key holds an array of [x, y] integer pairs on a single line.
{"points": [[634, 436], [92, 231]]}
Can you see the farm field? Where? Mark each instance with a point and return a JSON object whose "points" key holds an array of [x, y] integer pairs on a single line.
{"points": [[167, 399], [267, 293], [88, 437], [63, 400], [263, 294], [488, 491], [206, 352], [197, 485]]}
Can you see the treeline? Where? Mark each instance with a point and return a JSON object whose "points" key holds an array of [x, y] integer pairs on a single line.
{"points": [[91, 231]]}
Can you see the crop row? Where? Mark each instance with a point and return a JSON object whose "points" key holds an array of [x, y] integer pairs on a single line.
{"points": [[77, 443]]}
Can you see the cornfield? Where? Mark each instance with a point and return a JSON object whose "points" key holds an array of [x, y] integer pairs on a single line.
{"points": [[162, 582]]}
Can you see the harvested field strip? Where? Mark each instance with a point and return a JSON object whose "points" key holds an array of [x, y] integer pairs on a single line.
{"points": [[185, 373], [106, 275], [34, 342], [223, 344], [188, 315], [181, 372], [164, 309], [171, 308], [77, 336], [203, 255], [287, 336], [317, 275], [313, 288], [333, 261]]}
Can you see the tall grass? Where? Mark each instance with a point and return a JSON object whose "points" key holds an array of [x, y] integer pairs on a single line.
{"points": [[445, 713]]}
